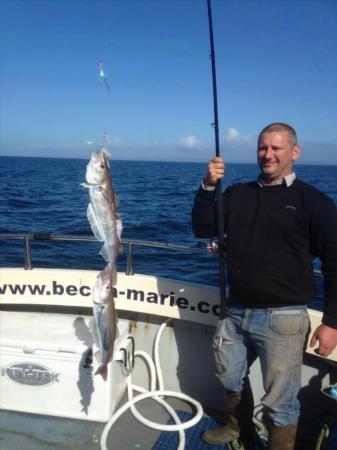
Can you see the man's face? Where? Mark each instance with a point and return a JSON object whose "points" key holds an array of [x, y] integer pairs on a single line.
{"points": [[275, 155]]}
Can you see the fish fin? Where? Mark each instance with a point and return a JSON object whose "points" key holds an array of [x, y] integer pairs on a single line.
{"points": [[106, 252], [103, 371], [90, 185], [95, 227], [107, 339], [92, 329], [96, 344], [119, 228], [96, 353]]}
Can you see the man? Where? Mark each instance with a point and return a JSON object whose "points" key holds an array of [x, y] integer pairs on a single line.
{"points": [[275, 227]]}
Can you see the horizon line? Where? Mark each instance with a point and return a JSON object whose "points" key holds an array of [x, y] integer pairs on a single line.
{"points": [[199, 161]]}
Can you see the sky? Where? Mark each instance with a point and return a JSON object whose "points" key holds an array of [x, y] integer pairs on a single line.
{"points": [[275, 61]]}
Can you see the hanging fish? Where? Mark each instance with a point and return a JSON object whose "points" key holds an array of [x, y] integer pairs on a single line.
{"points": [[102, 214], [107, 228], [102, 75], [105, 319]]}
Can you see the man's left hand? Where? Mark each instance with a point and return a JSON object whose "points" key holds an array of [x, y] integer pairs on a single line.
{"points": [[327, 339]]}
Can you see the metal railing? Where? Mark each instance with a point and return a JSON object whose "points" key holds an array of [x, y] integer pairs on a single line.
{"points": [[131, 243]]}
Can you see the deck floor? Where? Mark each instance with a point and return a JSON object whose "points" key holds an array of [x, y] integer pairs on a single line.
{"points": [[36, 432]]}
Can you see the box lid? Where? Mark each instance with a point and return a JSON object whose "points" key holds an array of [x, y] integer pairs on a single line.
{"points": [[33, 331]]}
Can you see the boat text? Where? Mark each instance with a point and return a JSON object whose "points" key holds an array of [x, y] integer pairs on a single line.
{"points": [[30, 374], [168, 299]]}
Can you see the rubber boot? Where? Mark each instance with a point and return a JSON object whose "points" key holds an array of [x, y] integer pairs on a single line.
{"points": [[282, 438], [230, 431], [240, 424]]}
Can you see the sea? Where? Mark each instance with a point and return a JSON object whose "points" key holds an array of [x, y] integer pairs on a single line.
{"points": [[45, 195]]}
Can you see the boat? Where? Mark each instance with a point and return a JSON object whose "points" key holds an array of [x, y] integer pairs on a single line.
{"points": [[50, 397]]}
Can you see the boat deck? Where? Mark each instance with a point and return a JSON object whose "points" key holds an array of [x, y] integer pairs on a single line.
{"points": [[37, 432]]}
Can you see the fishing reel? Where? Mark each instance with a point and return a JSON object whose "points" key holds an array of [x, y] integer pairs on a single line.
{"points": [[214, 248]]}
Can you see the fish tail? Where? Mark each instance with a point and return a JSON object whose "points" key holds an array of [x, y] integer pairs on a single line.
{"points": [[111, 268], [107, 251], [103, 371]]}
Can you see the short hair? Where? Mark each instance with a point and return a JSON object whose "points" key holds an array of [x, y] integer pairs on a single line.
{"points": [[279, 126]]}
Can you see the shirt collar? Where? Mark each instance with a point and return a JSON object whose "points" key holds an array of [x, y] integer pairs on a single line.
{"points": [[288, 180]]}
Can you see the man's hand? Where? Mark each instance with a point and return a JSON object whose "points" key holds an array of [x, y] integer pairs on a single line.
{"points": [[327, 339], [216, 171]]}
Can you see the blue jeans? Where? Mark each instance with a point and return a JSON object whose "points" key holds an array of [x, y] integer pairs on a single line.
{"points": [[277, 337]]}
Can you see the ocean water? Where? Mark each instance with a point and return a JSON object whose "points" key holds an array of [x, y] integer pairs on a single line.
{"points": [[45, 195]]}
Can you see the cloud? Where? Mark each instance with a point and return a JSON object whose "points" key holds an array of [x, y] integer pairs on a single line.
{"points": [[115, 140], [189, 142], [233, 135], [238, 147], [235, 147]]}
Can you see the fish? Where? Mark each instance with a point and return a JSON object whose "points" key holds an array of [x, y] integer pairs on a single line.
{"points": [[105, 319], [102, 213], [107, 227]]}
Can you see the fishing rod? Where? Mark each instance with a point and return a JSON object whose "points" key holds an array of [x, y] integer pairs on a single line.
{"points": [[218, 188]]}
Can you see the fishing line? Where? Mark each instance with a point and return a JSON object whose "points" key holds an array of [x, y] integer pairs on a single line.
{"points": [[105, 48], [218, 188]]}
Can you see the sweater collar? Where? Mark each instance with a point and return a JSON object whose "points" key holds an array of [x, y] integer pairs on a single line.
{"points": [[288, 180]]}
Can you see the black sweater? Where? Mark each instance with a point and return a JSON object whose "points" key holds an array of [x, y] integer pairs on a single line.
{"points": [[273, 235]]}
